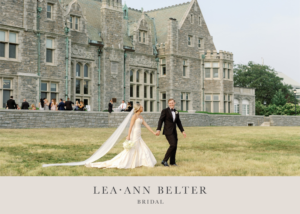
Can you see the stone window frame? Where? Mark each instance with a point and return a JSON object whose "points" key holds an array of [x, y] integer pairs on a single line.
{"points": [[185, 102], [212, 102], [163, 64], [53, 48], [211, 66], [163, 100], [190, 41], [207, 66], [216, 101], [138, 87], [247, 111], [185, 68], [227, 99], [48, 91], [2, 89], [82, 80], [229, 72], [51, 12], [224, 70], [214, 67], [143, 37], [199, 20], [236, 106], [7, 43], [201, 43], [192, 19], [83, 98], [72, 20]]}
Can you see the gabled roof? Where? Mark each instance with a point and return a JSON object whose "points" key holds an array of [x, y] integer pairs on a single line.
{"points": [[134, 16], [92, 9], [162, 16]]}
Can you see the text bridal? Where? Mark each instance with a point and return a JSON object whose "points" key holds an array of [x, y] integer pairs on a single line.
{"points": [[146, 190]]}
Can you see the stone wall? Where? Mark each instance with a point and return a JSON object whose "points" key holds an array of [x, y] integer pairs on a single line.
{"points": [[13, 119], [235, 120], [278, 120]]}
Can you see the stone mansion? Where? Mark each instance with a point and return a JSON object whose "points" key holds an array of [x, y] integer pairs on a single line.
{"points": [[96, 50]]}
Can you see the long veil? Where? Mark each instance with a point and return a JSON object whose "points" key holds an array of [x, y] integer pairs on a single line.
{"points": [[118, 135]]}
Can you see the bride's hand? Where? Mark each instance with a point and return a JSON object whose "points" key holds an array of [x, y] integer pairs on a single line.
{"points": [[127, 138]]}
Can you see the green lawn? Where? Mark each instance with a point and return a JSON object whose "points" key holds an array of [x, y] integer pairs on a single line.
{"points": [[207, 151]]}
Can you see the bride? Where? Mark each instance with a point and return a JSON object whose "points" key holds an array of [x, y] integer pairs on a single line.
{"points": [[139, 154]]}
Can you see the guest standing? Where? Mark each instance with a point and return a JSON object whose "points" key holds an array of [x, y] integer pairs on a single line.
{"points": [[69, 105], [129, 107], [33, 107], [81, 106], [50, 104], [123, 106], [41, 104], [53, 105], [11, 104], [110, 106], [25, 105], [61, 105], [76, 105], [46, 104]]}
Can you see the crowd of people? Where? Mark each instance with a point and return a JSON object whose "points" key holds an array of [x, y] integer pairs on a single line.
{"points": [[62, 105], [44, 105], [122, 107]]}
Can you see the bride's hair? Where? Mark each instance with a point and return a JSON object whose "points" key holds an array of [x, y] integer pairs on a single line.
{"points": [[136, 107]]}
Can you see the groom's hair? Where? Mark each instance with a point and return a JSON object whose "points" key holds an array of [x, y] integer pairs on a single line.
{"points": [[171, 100]]}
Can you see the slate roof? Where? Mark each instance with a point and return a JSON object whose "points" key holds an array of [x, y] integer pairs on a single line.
{"points": [[162, 16]]}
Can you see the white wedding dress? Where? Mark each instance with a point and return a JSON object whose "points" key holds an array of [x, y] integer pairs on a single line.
{"points": [[138, 155]]}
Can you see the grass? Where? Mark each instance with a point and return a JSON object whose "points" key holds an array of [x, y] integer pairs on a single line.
{"points": [[207, 151]]}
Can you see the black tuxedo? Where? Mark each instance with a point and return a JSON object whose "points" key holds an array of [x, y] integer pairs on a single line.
{"points": [[25, 105], [11, 104], [110, 107], [68, 105], [170, 132]]}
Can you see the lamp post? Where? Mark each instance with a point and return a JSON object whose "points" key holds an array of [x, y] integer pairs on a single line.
{"points": [[295, 92], [203, 58], [67, 30]]}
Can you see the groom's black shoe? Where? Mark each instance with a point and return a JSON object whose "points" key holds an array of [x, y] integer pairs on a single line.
{"points": [[165, 163], [174, 164]]}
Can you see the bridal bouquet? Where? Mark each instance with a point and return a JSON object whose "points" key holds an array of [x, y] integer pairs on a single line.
{"points": [[128, 144]]}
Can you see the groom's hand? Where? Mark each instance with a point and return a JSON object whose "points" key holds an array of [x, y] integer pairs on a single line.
{"points": [[184, 134], [157, 133]]}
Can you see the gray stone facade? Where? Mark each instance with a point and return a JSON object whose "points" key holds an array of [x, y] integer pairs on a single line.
{"points": [[244, 98], [107, 43]]}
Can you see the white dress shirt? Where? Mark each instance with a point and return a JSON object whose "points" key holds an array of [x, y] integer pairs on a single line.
{"points": [[173, 113], [123, 106]]}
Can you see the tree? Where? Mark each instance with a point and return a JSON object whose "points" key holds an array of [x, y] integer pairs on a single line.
{"points": [[279, 98], [265, 81]]}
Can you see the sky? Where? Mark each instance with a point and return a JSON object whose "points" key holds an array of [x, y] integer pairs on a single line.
{"points": [[251, 30]]}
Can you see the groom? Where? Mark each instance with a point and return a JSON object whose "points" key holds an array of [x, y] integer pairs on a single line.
{"points": [[170, 117]]}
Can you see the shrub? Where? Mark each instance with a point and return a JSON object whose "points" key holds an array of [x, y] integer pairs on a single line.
{"points": [[287, 109]]}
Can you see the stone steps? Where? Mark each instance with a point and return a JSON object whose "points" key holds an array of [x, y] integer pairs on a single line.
{"points": [[266, 124]]}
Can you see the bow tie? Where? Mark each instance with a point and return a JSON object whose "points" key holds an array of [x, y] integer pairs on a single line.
{"points": [[173, 110]]}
